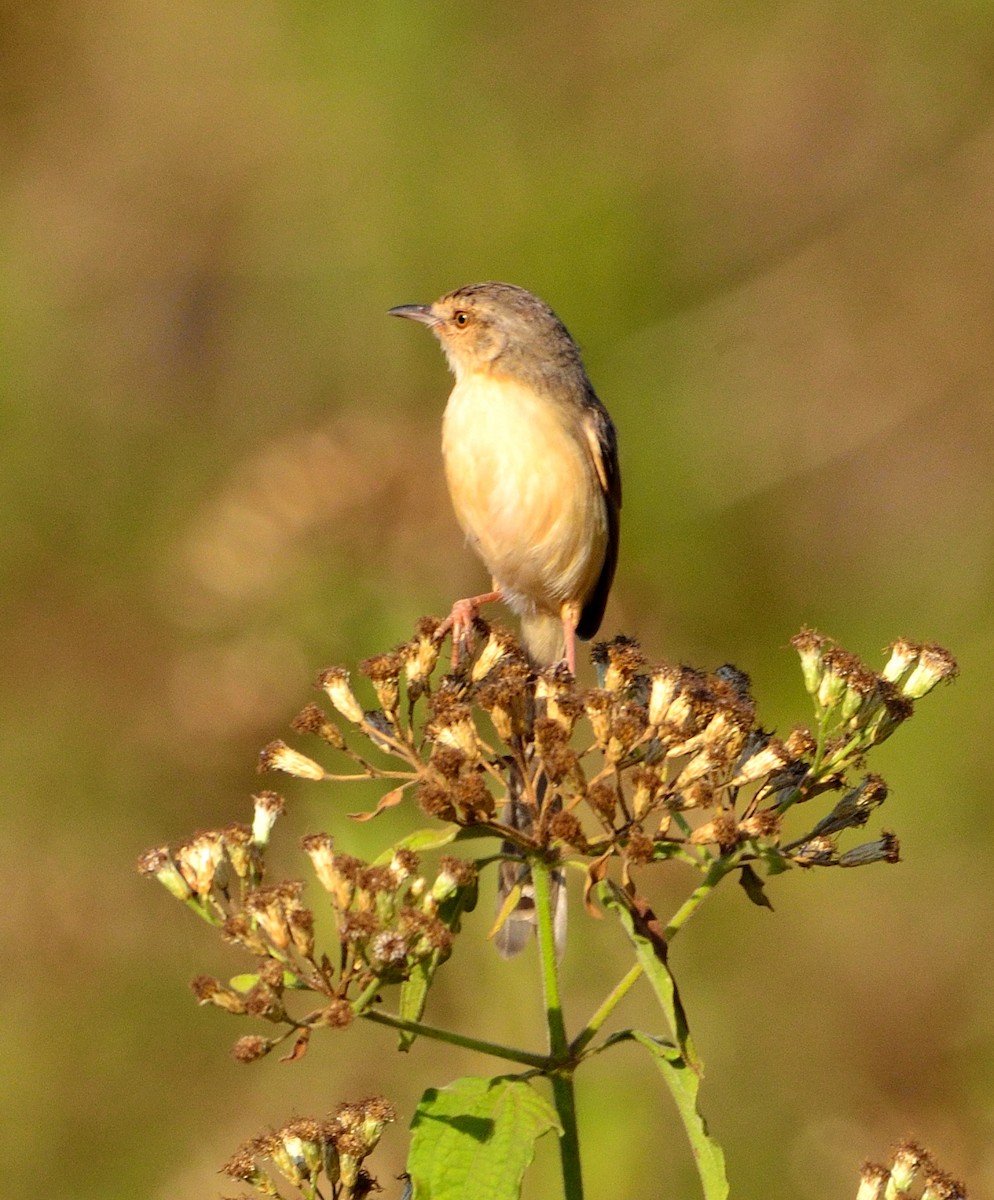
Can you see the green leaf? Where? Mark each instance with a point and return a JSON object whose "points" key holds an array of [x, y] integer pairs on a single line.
{"points": [[753, 887], [418, 841], [684, 1084], [680, 1066], [644, 930], [245, 983], [476, 1137]]}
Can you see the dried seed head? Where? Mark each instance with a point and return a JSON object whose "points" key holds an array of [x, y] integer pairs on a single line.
{"points": [[335, 682], [198, 860], [209, 990], [873, 1180], [597, 703], [603, 799], [895, 710], [621, 659], [420, 656], [501, 645], [435, 798], [903, 656], [800, 743], [278, 756], [665, 684], [564, 827], [312, 719], [853, 810], [507, 698], [383, 670], [885, 849], [773, 757], [628, 724], [251, 1047], [815, 852], [267, 806], [762, 824], [935, 665], [838, 667], [452, 725], [648, 786], [559, 759], [811, 647], [722, 830], [239, 848], [159, 862], [639, 848], [556, 695], [336, 1015], [473, 799], [909, 1159]]}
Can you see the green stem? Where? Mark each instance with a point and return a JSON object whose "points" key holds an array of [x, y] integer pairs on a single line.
{"points": [[569, 1142], [561, 1079], [542, 880], [366, 996], [510, 1053], [617, 994], [717, 871]]}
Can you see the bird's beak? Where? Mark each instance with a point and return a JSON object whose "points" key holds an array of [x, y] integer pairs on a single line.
{"points": [[415, 312]]}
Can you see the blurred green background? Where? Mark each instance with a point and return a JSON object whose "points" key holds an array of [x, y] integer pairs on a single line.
{"points": [[770, 228]]}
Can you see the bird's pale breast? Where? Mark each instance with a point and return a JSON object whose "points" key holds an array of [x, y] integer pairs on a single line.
{"points": [[525, 490]]}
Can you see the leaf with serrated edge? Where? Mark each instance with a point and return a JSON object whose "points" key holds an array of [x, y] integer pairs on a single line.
{"points": [[476, 1138]]}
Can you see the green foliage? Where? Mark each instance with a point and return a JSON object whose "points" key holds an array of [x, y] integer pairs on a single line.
{"points": [[476, 1137]]}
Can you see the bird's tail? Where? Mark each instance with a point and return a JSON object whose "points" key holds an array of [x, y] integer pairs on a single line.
{"points": [[512, 937], [543, 634]]}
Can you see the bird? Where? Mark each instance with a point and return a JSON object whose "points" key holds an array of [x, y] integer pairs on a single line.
{"points": [[531, 463]]}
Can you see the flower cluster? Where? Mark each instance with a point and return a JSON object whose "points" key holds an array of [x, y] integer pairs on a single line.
{"points": [[913, 1173], [390, 921], [655, 763], [308, 1153]]}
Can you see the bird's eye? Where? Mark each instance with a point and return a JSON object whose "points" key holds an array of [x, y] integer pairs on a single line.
{"points": [[460, 318]]}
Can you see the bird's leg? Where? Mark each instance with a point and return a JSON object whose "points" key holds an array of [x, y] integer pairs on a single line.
{"points": [[570, 617], [460, 621]]}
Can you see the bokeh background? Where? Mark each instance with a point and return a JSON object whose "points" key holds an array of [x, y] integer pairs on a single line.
{"points": [[770, 226]]}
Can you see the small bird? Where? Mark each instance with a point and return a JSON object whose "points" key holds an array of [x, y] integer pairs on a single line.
{"points": [[531, 462]]}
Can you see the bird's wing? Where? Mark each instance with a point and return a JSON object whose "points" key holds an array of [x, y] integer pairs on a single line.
{"points": [[603, 443]]}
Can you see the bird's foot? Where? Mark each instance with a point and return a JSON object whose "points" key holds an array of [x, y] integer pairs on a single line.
{"points": [[461, 621]]}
